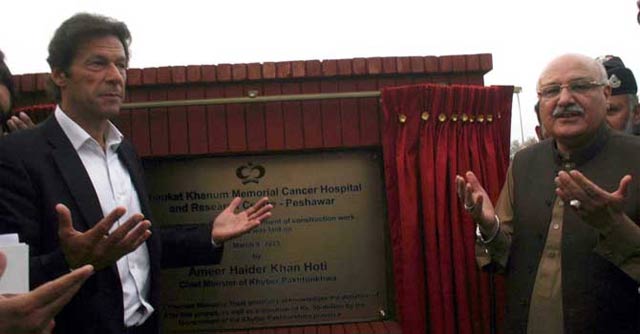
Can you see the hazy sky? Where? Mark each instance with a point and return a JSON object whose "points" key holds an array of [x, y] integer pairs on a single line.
{"points": [[522, 35]]}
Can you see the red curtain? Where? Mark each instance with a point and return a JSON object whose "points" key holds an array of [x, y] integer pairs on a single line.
{"points": [[432, 133]]}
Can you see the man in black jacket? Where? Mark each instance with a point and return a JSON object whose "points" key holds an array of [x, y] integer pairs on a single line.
{"points": [[76, 168]]}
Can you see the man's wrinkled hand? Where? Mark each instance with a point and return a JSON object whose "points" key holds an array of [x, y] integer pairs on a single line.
{"points": [[229, 225], [97, 246], [475, 200], [594, 204]]}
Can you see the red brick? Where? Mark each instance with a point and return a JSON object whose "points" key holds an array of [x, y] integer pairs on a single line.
{"points": [[386, 82], [344, 67], [255, 120], [352, 328], [41, 81], [374, 65], [311, 116], [209, 73], [389, 65], [298, 69], [292, 113], [325, 329], [140, 137], [445, 64], [178, 128], [283, 69], [404, 64], [476, 79], [431, 64], [364, 327], [239, 72], [224, 72], [236, 120], [359, 66], [417, 64], [404, 81], [329, 67], [16, 82], [314, 68], [164, 75], [440, 79], [330, 109], [459, 63], [134, 77], [486, 62], [216, 121], [349, 115], [337, 329], [265, 331], [157, 94], [369, 114], [138, 95], [460, 79], [254, 71], [269, 70], [393, 327], [197, 123], [378, 327], [27, 82], [273, 118], [149, 76], [473, 63], [179, 74], [194, 73]]}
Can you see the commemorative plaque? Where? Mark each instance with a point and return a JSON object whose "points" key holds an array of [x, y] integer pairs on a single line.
{"points": [[320, 258]]}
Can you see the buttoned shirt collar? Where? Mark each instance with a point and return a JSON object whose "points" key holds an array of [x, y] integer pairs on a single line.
{"points": [[79, 137], [585, 153]]}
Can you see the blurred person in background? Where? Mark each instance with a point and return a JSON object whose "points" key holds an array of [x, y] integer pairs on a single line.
{"points": [[623, 112], [8, 121]]}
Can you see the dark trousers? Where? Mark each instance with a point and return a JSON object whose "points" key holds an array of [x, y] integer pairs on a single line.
{"points": [[145, 328]]}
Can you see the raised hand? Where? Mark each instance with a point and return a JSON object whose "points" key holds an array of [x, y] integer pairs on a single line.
{"points": [[97, 246], [594, 204], [475, 200], [33, 312], [20, 122], [229, 225]]}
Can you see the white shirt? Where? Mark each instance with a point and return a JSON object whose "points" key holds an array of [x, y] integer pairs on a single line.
{"points": [[112, 183]]}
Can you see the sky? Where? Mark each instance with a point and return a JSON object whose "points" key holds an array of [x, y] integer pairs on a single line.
{"points": [[523, 36]]}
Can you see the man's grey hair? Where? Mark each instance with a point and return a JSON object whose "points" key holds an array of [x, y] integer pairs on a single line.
{"points": [[603, 74]]}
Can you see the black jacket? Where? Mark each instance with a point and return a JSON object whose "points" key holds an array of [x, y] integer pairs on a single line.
{"points": [[39, 168]]}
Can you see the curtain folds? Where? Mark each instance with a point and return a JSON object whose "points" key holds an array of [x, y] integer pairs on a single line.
{"points": [[431, 133]]}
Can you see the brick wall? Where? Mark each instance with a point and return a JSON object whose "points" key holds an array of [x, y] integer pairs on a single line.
{"points": [[265, 127]]}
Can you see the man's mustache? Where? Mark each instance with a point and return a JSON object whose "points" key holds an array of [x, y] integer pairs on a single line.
{"points": [[572, 110]]}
